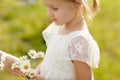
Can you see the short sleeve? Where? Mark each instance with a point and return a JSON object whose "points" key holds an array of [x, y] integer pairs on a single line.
{"points": [[94, 54], [80, 49], [48, 32]]}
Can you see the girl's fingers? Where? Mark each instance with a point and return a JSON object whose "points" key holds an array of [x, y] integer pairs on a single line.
{"points": [[18, 73], [38, 77]]}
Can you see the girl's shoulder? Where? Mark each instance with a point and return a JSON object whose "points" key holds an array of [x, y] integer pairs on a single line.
{"points": [[81, 42], [83, 34]]}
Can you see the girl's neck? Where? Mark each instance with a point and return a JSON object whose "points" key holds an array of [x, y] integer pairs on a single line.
{"points": [[71, 27], [75, 25]]}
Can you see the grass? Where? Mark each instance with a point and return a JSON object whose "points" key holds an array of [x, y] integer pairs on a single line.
{"points": [[21, 27]]}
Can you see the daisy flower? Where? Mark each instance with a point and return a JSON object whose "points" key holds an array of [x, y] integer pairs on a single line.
{"points": [[30, 74], [25, 66], [23, 58], [40, 54], [32, 54]]}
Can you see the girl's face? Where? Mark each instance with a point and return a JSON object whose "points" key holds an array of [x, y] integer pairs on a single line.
{"points": [[59, 12]]}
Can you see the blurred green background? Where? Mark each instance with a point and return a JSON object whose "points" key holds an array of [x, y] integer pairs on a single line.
{"points": [[22, 21]]}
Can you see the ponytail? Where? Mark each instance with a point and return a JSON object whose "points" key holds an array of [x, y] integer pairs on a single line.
{"points": [[87, 9], [90, 12]]}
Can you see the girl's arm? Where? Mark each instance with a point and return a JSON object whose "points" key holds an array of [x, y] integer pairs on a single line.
{"points": [[9, 59], [82, 70]]}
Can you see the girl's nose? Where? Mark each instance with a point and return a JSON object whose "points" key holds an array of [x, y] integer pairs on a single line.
{"points": [[50, 13]]}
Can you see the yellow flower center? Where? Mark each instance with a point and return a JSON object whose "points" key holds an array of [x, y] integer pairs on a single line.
{"points": [[26, 67], [32, 54], [39, 56]]}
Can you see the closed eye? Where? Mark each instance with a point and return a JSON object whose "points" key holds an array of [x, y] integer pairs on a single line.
{"points": [[51, 7], [55, 9]]}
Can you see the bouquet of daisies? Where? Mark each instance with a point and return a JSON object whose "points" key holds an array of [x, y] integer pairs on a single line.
{"points": [[24, 64]]}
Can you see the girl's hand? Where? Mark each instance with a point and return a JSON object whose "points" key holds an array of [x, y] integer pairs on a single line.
{"points": [[17, 73], [37, 77]]}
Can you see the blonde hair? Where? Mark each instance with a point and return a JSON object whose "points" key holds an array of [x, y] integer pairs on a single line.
{"points": [[82, 5]]}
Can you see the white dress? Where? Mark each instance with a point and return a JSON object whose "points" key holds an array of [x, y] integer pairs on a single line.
{"points": [[61, 49]]}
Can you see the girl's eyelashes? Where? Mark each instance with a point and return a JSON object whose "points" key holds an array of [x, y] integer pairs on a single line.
{"points": [[55, 8], [51, 7]]}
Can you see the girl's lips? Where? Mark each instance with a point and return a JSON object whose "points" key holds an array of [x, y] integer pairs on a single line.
{"points": [[53, 19]]}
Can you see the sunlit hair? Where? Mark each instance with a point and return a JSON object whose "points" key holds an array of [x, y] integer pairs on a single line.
{"points": [[84, 7]]}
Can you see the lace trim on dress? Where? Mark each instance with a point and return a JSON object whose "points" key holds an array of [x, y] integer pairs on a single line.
{"points": [[82, 50], [78, 50]]}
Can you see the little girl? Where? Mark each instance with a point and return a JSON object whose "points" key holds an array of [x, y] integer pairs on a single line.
{"points": [[71, 51]]}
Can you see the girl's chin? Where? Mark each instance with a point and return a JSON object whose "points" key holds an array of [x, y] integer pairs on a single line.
{"points": [[58, 23]]}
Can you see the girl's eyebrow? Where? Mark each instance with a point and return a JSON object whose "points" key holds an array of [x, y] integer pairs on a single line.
{"points": [[45, 4], [48, 4]]}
